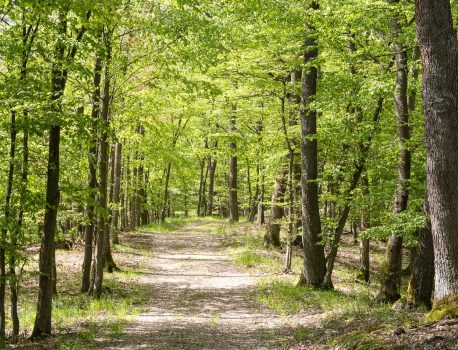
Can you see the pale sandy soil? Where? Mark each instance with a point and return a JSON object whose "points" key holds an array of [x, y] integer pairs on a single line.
{"points": [[198, 299]]}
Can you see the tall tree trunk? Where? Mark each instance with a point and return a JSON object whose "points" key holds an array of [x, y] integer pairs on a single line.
{"points": [[7, 218], [211, 182], [141, 193], [257, 197], [201, 184], [116, 193], [439, 53], [364, 243], [292, 227], [272, 235], [133, 196], [126, 194], [166, 204], [314, 266], [261, 216], [254, 205], [102, 220], [233, 200], [42, 325], [391, 272], [109, 261], [91, 227]]}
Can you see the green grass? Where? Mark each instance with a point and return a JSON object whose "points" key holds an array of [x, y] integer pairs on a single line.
{"points": [[286, 298], [171, 224], [120, 302], [244, 244], [348, 316]]}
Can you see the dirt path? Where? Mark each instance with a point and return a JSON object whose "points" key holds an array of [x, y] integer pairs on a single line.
{"points": [[198, 298]]}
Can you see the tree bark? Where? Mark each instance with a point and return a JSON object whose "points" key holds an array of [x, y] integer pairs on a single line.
{"points": [[201, 185], [211, 180], [166, 204], [261, 216], [314, 265], [7, 218], [391, 271], [364, 243], [91, 227], [422, 278], [116, 193], [272, 236], [59, 73], [102, 219], [233, 200], [439, 49]]}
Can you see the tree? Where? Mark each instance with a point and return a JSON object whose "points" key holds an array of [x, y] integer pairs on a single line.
{"points": [[59, 75], [391, 274], [314, 261], [439, 48]]}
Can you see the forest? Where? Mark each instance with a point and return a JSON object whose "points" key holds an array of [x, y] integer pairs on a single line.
{"points": [[202, 174]]}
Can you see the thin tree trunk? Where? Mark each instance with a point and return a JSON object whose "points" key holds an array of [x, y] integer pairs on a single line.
{"points": [[91, 227], [103, 226], [211, 182], [261, 217], [14, 282], [254, 204], [126, 194], [292, 231], [116, 193], [166, 204], [201, 184], [133, 196], [109, 261], [364, 153], [364, 243], [391, 271], [7, 217], [233, 200]]}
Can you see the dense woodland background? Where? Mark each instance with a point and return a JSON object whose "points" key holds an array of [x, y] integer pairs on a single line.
{"points": [[302, 116]]}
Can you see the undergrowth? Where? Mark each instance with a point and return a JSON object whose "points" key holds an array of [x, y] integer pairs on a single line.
{"points": [[345, 318]]}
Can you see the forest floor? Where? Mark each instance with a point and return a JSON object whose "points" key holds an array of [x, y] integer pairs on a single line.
{"points": [[210, 285]]}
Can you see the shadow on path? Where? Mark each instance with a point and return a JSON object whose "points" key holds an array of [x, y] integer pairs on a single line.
{"points": [[197, 298]]}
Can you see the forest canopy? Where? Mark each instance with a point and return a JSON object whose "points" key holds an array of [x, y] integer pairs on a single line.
{"points": [[312, 119]]}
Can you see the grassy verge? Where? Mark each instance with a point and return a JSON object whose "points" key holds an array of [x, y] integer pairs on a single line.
{"points": [[78, 318], [344, 318]]}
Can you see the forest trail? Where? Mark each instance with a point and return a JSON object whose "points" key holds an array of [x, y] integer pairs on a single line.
{"points": [[198, 299]]}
